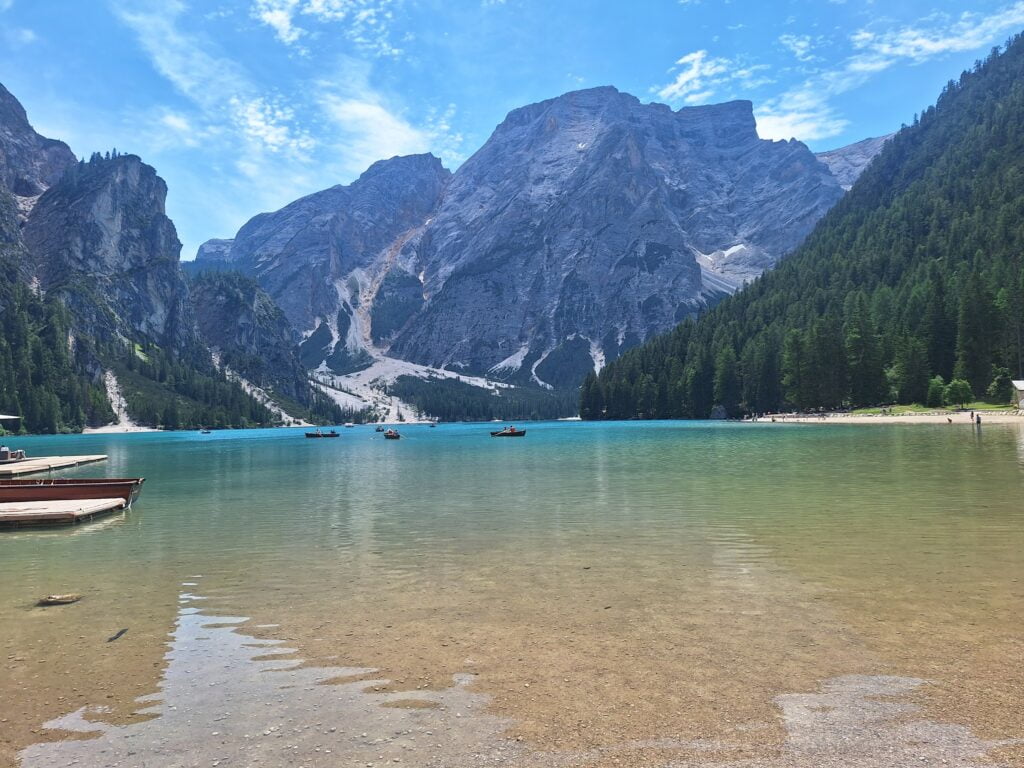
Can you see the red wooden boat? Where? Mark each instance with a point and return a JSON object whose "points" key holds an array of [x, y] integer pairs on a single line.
{"points": [[392, 434], [509, 432], [72, 489]]}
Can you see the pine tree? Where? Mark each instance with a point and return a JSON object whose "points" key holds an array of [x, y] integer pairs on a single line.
{"points": [[974, 338], [911, 371], [727, 382]]}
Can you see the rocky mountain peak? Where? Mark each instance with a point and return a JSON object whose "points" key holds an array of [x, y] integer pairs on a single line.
{"points": [[104, 226], [847, 163], [29, 163], [218, 250], [426, 164]]}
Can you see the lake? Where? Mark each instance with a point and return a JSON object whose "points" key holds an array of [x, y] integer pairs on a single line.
{"points": [[662, 593]]}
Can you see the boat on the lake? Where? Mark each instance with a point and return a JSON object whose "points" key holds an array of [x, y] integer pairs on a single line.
{"points": [[509, 432], [392, 434], [349, 425], [320, 433], [204, 431], [71, 489], [379, 428]]}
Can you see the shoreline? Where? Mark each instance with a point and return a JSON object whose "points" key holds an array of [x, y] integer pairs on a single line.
{"points": [[951, 418]]}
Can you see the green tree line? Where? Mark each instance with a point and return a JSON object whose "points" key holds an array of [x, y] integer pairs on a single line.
{"points": [[453, 400]]}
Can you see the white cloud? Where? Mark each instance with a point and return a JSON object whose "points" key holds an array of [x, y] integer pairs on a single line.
{"points": [[965, 33], [801, 46], [19, 37], [805, 110], [216, 85], [445, 141], [372, 131], [368, 128], [278, 15], [271, 124], [364, 23], [807, 125], [696, 70], [699, 75]]}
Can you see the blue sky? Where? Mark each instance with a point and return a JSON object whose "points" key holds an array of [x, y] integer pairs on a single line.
{"points": [[244, 105]]}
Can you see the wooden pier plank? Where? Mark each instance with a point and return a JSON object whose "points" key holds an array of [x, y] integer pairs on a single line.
{"points": [[38, 464], [18, 513]]}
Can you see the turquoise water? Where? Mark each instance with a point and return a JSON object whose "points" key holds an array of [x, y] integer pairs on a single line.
{"points": [[881, 546]]}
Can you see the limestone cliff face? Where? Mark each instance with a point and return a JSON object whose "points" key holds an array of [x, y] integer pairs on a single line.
{"points": [[584, 225], [847, 163], [29, 163], [589, 222], [322, 256], [249, 333], [100, 239]]}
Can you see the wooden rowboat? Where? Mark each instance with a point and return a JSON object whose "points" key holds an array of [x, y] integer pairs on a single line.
{"points": [[71, 489], [318, 433], [392, 434], [509, 432]]}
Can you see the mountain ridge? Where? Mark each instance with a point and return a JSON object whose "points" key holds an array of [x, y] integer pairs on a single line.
{"points": [[447, 277]]}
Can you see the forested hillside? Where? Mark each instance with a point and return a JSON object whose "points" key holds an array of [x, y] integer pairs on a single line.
{"points": [[909, 290], [251, 337], [42, 378]]}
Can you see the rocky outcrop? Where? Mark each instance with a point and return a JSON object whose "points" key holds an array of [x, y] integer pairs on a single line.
{"points": [[248, 333], [29, 163], [847, 163], [321, 258], [215, 251], [100, 239]]}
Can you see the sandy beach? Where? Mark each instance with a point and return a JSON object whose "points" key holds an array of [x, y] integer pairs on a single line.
{"points": [[932, 417]]}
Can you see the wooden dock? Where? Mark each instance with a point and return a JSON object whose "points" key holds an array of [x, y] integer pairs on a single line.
{"points": [[15, 514], [38, 464]]}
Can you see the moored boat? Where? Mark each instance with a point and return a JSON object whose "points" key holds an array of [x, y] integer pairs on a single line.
{"points": [[509, 432], [392, 434], [72, 489], [319, 433]]}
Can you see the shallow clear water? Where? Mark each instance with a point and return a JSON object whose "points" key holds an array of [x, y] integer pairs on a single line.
{"points": [[716, 567]]}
